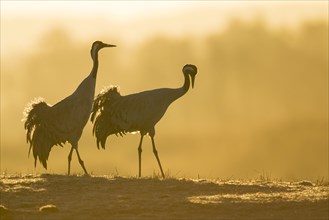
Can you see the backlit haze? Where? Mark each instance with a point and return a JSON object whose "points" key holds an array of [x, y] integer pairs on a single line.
{"points": [[260, 102]]}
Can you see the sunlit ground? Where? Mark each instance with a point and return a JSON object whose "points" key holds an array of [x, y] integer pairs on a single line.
{"points": [[117, 197], [259, 106]]}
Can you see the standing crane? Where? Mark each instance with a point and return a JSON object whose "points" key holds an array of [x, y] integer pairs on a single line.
{"points": [[63, 122], [116, 114]]}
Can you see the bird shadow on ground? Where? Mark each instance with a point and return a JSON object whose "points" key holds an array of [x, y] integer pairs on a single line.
{"points": [[115, 197]]}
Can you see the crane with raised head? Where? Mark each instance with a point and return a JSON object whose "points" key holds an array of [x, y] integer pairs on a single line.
{"points": [[116, 114], [47, 126]]}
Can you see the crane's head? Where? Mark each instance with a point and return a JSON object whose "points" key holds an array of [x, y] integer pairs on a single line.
{"points": [[97, 45], [191, 70]]}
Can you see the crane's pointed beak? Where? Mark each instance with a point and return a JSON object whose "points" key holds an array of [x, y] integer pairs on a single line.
{"points": [[193, 78], [110, 45]]}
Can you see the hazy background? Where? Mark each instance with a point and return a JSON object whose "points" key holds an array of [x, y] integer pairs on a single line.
{"points": [[260, 102]]}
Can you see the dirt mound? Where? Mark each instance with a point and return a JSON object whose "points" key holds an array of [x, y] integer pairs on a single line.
{"points": [[108, 197]]}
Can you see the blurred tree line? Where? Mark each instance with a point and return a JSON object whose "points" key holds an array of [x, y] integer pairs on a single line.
{"points": [[249, 69]]}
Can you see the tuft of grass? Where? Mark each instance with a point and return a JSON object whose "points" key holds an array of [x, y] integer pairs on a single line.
{"points": [[322, 181], [168, 175], [264, 176]]}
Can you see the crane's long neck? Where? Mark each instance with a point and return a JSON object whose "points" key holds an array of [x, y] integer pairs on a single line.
{"points": [[187, 83], [177, 93], [93, 72]]}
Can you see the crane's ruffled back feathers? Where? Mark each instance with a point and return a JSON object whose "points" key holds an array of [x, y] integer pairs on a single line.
{"points": [[40, 132], [101, 115]]}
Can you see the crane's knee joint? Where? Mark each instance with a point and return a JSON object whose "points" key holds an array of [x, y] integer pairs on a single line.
{"points": [[81, 162], [155, 152]]}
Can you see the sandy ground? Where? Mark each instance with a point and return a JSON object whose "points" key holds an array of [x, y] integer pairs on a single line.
{"points": [[115, 197]]}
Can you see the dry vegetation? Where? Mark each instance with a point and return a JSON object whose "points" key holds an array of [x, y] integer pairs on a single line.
{"points": [[115, 197]]}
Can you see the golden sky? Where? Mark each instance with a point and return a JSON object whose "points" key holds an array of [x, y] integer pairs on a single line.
{"points": [[135, 21]]}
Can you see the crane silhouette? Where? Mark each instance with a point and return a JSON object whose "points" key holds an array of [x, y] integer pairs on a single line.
{"points": [[116, 114], [63, 122]]}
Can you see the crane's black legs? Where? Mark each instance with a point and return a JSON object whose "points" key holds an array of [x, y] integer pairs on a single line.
{"points": [[79, 158], [140, 156], [157, 157], [69, 160], [81, 162]]}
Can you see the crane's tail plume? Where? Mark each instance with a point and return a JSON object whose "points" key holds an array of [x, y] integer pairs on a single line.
{"points": [[101, 114], [39, 132]]}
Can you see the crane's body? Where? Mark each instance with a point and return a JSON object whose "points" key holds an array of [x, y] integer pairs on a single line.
{"points": [[71, 114], [135, 112], [116, 114], [63, 122]]}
